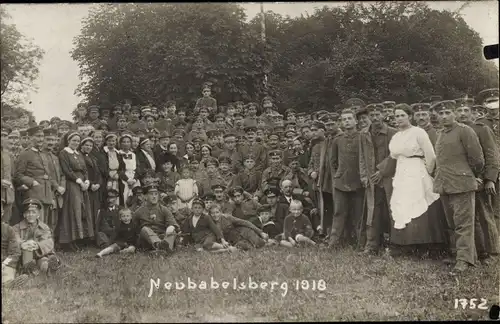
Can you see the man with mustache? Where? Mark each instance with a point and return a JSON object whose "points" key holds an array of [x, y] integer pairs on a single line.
{"points": [[422, 118]]}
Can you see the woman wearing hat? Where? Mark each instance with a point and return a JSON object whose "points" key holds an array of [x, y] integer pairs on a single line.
{"points": [[76, 226], [145, 157], [94, 176]]}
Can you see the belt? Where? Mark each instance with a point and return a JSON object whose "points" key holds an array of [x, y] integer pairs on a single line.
{"points": [[416, 157], [44, 177]]}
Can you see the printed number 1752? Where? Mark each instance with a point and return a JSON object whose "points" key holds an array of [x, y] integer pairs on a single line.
{"points": [[472, 303]]}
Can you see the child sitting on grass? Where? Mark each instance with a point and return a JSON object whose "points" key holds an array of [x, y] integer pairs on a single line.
{"points": [[125, 236], [265, 223], [186, 189], [297, 228]]}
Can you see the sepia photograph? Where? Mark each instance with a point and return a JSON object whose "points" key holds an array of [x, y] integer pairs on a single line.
{"points": [[250, 162]]}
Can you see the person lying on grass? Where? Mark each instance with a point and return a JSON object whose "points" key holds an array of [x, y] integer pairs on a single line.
{"points": [[297, 228], [37, 244], [240, 233], [202, 231], [125, 235]]}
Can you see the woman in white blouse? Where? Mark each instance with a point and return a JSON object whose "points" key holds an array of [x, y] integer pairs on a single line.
{"points": [[415, 208]]}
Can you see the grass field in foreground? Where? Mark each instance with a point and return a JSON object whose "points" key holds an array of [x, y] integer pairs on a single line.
{"points": [[116, 288]]}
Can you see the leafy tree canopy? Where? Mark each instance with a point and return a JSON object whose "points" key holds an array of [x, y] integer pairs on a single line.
{"points": [[379, 51], [20, 59]]}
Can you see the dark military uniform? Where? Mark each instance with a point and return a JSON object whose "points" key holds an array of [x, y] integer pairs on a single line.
{"points": [[486, 231], [459, 160]]}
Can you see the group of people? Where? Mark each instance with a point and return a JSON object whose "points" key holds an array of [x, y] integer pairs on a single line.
{"points": [[420, 178]]}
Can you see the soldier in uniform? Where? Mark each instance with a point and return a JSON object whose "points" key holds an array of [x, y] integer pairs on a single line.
{"points": [[376, 169], [478, 112], [250, 177], [459, 162], [93, 118], [422, 117], [225, 171], [485, 227], [7, 166], [135, 124], [489, 99], [232, 152], [251, 147], [206, 100], [276, 169], [25, 140], [55, 173], [316, 165], [348, 195], [157, 225], [150, 125], [32, 173]]}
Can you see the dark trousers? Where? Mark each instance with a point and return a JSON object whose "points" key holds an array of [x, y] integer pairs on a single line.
{"points": [[7, 213], [459, 212], [485, 227], [347, 216], [328, 206], [381, 221]]}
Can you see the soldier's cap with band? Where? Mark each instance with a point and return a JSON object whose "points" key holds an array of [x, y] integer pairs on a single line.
{"points": [[273, 134], [264, 208], [197, 139], [199, 202], [354, 102], [219, 116], [145, 109], [34, 130], [300, 114], [148, 115], [290, 111], [432, 99], [218, 186], [113, 193], [135, 108], [479, 108], [389, 104], [32, 203], [249, 156], [374, 107], [272, 191], [212, 161], [464, 102], [274, 153], [50, 132], [105, 108], [209, 196], [226, 135], [290, 133], [487, 95], [417, 107], [164, 134], [22, 133], [149, 188], [179, 131], [224, 159], [250, 129], [93, 108], [361, 111], [442, 105], [234, 190], [251, 104], [318, 124], [211, 133]]}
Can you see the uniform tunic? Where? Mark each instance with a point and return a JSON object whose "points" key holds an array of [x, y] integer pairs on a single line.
{"points": [[33, 165], [8, 193], [38, 232], [273, 172], [249, 180], [76, 221], [153, 221], [459, 160]]}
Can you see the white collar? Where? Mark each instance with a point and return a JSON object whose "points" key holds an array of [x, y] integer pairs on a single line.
{"points": [[70, 151], [123, 152], [34, 149], [163, 148], [107, 150]]}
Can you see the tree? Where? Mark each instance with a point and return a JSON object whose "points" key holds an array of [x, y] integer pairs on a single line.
{"points": [[400, 51], [154, 53], [20, 59]]}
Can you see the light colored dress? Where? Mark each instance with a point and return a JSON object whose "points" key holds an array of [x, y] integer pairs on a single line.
{"points": [[412, 184], [184, 189], [130, 161]]}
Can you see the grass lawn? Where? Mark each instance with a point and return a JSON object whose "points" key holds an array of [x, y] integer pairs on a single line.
{"points": [[116, 288]]}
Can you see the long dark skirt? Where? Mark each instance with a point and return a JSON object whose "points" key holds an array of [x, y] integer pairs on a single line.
{"points": [[95, 204], [429, 228], [76, 221]]}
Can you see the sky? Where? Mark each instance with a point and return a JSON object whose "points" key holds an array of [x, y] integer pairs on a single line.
{"points": [[53, 27]]}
